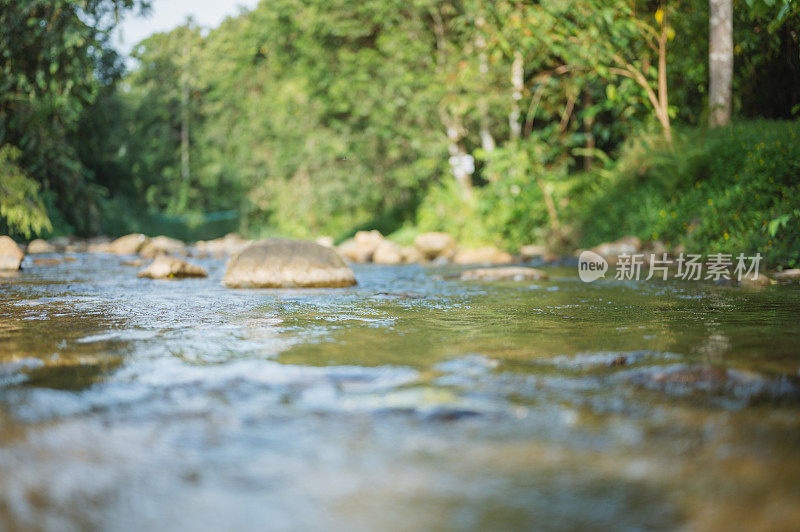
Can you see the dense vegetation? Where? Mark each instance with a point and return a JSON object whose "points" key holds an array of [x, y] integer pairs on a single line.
{"points": [[309, 117]]}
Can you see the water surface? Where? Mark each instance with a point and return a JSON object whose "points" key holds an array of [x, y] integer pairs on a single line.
{"points": [[411, 401]]}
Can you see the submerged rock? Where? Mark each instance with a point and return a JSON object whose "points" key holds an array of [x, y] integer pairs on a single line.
{"points": [[436, 245], [128, 244], [164, 267], [40, 246], [484, 255], [10, 254], [504, 274], [682, 379], [283, 263]]}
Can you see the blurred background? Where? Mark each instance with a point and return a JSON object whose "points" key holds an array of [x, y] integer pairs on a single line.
{"points": [[505, 123]]}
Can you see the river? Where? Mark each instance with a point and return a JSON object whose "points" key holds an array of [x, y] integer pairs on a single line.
{"points": [[411, 401]]}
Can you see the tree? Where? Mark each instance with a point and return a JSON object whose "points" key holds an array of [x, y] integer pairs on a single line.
{"points": [[720, 61], [54, 60]]}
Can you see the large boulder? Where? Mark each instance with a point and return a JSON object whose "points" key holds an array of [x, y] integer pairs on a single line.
{"points": [[281, 263], [162, 245], [504, 274], [164, 267], [485, 255], [10, 254], [40, 246], [128, 244], [436, 245]]}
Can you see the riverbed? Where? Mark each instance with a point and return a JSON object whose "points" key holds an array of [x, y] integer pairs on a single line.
{"points": [[411, 401]]}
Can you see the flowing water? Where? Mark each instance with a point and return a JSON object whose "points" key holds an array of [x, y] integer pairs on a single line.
{"points": [[412, 401]]}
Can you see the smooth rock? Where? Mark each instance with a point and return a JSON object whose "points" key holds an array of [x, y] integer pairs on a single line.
{"points": [[128, 244], [484, 255], [352, 251], [164, 267], [611, 250], [532, 251], [504, 274], [362, 246], [788, 276], [99, 247], [411, 255], [10, 254], [388, 252], [283, 263], [435, 245], [77, 246], [226, 246], [40, 246], [760, 280], [60, 242], [325, 241], [162, 245]]}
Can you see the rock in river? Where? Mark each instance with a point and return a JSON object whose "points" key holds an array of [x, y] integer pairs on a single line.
{"points": [[504, 274], [128, 244], [484, 255], [282, 263], [435, 245], [788, 276], [164, 267], [40, 246], [162, 245], [387, 252], [10, 254]]}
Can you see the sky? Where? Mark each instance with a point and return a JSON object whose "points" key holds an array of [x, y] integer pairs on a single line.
{"points": [[167, 14]]}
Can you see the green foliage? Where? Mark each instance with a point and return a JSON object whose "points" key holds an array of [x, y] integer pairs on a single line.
{"points": [[21, 209], [309, 117], [54, 60], [731, 190]]}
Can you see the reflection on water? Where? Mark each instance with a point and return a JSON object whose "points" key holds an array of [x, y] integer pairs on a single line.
{"points": [[411, 401]]}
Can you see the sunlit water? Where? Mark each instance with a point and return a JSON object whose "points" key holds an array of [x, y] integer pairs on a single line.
{"points": [[411, 401]]}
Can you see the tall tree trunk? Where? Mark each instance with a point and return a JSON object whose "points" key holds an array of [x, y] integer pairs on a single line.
{"points": [[487, 140], [720, 61], [518, 85]]}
